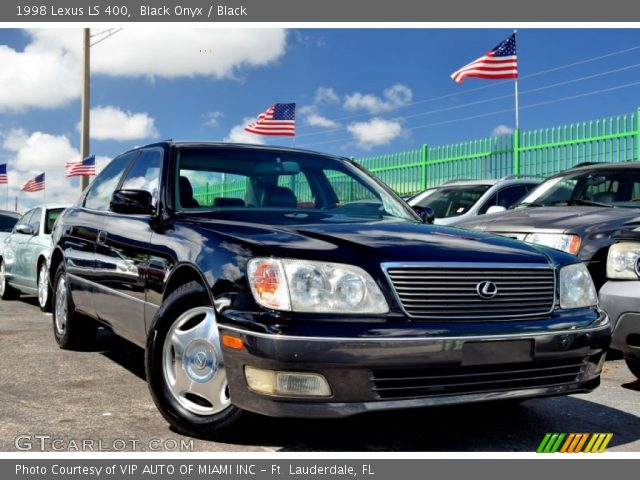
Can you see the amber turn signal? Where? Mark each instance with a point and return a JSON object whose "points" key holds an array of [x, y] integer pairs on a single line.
{"points": [[232, 342]]}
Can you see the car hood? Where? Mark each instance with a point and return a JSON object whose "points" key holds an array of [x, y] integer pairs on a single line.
{"points": [[551, 219], [388, 240]]}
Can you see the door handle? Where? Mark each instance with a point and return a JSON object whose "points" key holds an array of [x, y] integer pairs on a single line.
{"points": [[102, 237]]}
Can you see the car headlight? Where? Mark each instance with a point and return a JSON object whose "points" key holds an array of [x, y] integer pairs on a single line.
{"points": [[308, 286], [623, 262], [559, 241], [576, 287]]}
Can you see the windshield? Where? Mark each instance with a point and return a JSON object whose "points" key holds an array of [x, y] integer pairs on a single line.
{"points": [[452, 201], [7, 222], [609, 188], [242, 180]]}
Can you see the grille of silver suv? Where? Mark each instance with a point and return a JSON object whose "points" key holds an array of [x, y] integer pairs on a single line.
{"points": [[473, 291]]}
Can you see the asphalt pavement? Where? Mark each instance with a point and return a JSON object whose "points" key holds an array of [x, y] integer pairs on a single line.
{"points": [[98, 400]]}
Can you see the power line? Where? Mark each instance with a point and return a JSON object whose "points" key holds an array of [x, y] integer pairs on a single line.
{"points": [[496, 112], [501, 97], [484, 87]]}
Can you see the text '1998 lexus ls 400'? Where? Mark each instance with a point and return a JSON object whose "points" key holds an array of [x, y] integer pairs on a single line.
{"points": [[291, 283]]}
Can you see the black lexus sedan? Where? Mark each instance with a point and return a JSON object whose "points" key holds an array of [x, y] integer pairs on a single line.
{"points": [[292, 283]]}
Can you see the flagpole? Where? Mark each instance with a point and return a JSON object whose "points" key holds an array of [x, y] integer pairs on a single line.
{"points": [[516, 96]]}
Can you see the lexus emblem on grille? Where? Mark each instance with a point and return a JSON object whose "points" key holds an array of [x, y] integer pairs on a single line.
{"points": [[487, 290]]}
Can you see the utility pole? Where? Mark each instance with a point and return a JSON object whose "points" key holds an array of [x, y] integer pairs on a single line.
{"points": [[85, 104]]}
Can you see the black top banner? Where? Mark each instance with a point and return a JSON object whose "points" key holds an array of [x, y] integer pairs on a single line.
{"points": [[122, 11]]}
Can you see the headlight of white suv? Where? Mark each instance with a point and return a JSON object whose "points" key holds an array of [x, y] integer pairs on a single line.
{"points": [[576, 287], [560, 241], [622, 262], [308, 286]]}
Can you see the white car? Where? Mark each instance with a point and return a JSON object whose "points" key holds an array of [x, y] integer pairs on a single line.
{"points": [[459, 200]]}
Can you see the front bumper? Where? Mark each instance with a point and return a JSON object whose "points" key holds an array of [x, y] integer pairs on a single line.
{"points": [[368, 374], [621, 300]]}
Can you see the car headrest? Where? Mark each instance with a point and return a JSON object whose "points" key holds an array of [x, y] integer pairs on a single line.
{"points": [[275, 196]]}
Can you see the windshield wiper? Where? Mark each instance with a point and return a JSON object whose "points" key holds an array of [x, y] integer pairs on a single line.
{"points": [[588, 203], [530, 204]]}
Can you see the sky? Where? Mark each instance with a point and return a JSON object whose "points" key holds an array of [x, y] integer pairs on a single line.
{"points": [[359, 92]]}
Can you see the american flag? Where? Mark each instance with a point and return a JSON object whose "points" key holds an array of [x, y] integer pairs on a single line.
{"points": [[279, 120], [34, 184], [501, 62], [3, 174], [85, 167]]}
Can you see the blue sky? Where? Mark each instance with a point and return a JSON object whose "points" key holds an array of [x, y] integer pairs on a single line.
{"points": [[359, 92]]}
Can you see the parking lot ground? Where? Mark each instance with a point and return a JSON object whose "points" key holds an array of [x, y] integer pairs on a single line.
{"points": [[63, 400]]}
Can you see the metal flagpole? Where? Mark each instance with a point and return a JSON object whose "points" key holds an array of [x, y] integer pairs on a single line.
{"points": [[7, 195], [516, 94]]}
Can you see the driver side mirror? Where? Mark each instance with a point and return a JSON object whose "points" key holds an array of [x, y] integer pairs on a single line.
{"points": [[426, 214], [496, 209], [131, 202], [25, 229]]}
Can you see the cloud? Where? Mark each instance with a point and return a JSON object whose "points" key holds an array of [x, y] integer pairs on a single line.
{"points": [[111, 123], [501, 130], [30, 154], [173, 52], [374, 132], [326, 95], [47, 72], [393, 97], [314, 119], [41, 75], [211, 119], [237, 134], [37, 152]]}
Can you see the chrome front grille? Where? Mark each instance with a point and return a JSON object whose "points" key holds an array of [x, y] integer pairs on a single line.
{"points": [[443, 291]]}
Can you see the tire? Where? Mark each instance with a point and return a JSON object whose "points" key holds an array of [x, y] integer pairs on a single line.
{"points": [[71, 330], [192, 396], [634, 366], [7, 292], [44, 289]]}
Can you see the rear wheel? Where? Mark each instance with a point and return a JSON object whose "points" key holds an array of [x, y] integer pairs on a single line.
{"points": [[44, 289], [7, 292], [185, 367], [72, 331], [634, 366]]}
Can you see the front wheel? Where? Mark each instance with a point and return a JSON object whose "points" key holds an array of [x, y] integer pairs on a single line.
{"points": [[185, 367], [44, 289], [634, 366]]}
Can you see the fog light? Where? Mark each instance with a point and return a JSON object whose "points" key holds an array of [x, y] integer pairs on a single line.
{"points": [[291, 384]]}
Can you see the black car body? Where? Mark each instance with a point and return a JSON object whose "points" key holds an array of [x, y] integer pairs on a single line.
{"points": [[587, 204], [291, 283]]}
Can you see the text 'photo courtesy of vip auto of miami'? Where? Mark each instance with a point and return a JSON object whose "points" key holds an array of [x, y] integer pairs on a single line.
{"points": [[291, 283]]}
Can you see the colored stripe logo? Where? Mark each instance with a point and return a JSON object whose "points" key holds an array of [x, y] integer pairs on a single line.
{"points": [[574, 442]]}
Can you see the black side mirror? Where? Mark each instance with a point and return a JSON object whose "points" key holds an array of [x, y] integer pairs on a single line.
{"points": [[132, 202], [25, 228], [426, 214]]}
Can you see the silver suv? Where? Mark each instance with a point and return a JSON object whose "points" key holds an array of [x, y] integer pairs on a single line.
{"points": [[458, 200]]}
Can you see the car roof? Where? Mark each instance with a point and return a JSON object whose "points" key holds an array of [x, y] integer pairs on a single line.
{"points": [[10, 213], [50, 206], [241, 146], [627, 165], [490, 181]]}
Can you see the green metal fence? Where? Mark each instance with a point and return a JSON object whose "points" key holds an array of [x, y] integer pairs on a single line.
{"points": [[540, 153]]}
